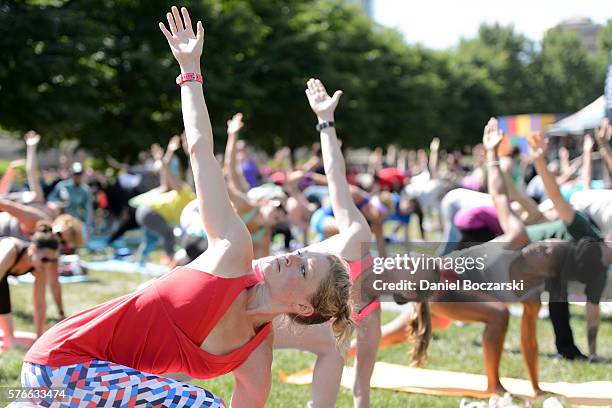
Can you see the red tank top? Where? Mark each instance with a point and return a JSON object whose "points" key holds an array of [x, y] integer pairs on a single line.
{"points": [[157, 330]]}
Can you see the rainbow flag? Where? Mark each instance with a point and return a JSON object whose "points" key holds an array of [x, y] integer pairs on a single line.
{"points": [[517, 128]]}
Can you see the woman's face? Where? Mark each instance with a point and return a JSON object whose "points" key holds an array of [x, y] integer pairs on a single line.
{"points": [[43, 258], [293, 278]]}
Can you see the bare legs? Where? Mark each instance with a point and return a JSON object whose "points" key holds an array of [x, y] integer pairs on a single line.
{"points": [[6, 326], [495, 316]]}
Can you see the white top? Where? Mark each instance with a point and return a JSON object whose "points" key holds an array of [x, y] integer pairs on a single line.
{"points": [[597, 204]]}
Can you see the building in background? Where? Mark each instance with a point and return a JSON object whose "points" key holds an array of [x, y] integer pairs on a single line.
{"points": [[367, 6], [585, 28]]}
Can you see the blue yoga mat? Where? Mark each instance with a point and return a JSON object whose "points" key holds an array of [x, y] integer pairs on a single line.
{"points": [[116, 265], [29, 279]]}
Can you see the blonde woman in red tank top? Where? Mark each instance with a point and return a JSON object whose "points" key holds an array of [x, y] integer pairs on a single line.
{"points": [[206, 319]]}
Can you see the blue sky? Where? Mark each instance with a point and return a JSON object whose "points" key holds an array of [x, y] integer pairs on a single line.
{"points": [[441, 23]]}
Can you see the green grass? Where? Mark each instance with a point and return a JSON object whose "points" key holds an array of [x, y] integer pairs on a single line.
{"points": [[455, 348]]}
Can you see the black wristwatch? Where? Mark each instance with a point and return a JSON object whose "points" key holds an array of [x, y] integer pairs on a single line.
{"points": [[324, 125]]}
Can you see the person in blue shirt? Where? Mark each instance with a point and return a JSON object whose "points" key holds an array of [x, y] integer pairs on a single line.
{"points": [[75, 196]]}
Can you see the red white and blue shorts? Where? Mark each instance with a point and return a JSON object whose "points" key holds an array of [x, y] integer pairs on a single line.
{"points": [[103, 384]]}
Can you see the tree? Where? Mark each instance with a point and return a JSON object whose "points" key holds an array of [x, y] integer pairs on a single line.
{"points": [[564, 73]]}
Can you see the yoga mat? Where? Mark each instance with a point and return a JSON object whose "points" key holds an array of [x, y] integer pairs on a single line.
{"points": [[24, 339], [438, 382], [117, 265], [29, 279]]}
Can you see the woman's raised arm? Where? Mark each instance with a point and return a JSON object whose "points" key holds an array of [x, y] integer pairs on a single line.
{"points": [[351, 223], [220, 220], [511, 223], [564, 209], [33, 173]]}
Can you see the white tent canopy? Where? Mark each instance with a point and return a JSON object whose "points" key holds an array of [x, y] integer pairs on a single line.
{"points": [[586, 118]]}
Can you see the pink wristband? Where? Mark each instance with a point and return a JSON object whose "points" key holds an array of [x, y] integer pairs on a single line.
{"points": [[189, 76]]}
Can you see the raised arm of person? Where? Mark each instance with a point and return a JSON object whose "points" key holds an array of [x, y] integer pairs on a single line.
{"points": [[6, 182], [587, 161], [511, 223], [224, 228], [603, 141], [230, 163], [157, 153], [353, 240], [172, 179], [570, 171], [564, 209], [434, 147], [354, 230], [534, 216], [32, 169]]}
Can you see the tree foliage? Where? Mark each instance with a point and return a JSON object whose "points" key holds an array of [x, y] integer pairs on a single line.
{"points": [[100, 72]]}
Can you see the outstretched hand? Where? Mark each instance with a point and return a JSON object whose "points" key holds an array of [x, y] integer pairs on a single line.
{"points": [[321, 103], [186, 45], [174, 144], [31, 138], [235, 124], [435, 144], [537, 144], [492, 135], [605, 131]]}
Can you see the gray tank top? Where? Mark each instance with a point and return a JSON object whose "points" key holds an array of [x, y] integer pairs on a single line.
{"points": [[497, 262]]}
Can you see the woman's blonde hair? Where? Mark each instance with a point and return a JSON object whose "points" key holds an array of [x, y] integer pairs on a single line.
{"points": [[419, 333], [331, 301], [66, 222]]}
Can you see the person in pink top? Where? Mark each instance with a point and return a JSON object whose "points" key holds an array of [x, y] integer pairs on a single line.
{"points": [[477, 225], [203, 320]]}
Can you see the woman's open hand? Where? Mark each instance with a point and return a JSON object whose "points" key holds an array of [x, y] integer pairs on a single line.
{"points": [[31, 138], [174, 144], [321, 103], [492, 135], [538, 145], [186, 45], [604, 132], [235, 124]]}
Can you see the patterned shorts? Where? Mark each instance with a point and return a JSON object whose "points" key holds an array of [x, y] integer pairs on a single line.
{"points": [[102, 384]]}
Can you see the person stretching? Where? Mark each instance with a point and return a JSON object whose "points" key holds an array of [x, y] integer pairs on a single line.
{"points": [[204, 320]]}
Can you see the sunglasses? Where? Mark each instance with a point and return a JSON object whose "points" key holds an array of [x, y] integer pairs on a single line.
{"points": [[45, 260]]}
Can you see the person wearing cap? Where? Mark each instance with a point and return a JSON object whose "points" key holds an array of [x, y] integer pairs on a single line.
{"points": [[75, 195]]}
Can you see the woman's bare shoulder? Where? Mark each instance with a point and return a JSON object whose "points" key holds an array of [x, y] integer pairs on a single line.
{"points": [[225, 263]]}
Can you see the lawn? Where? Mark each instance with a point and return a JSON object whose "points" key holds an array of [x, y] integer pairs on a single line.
{"points": [[456, 348]]}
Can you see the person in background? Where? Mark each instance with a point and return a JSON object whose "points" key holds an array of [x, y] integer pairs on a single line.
{"points": [[19, 257], [76, 196], [160, 211]]}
